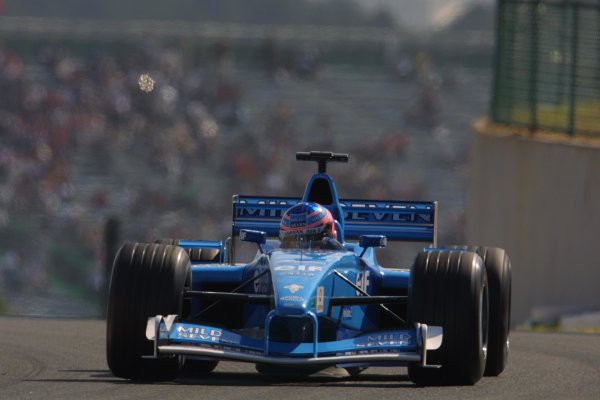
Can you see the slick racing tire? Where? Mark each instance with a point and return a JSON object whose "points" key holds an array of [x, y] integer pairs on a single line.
{"points": [[498, 268], [202, 255], [147, 280], [449, 289]]}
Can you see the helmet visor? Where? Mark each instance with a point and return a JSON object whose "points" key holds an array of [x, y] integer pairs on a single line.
{"points": [[297, 240]]}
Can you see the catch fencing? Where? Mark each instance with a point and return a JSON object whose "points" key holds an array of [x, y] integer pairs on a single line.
{"points": [[548, 65]]}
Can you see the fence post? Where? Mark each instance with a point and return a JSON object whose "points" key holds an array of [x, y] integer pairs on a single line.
{"points": [[564, 24], [597, 62], [511, 64], [498, 53], [533, 67], [573, 78]]}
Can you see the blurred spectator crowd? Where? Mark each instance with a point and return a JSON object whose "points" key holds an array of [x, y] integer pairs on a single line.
{"points": [[66, 122], [158, 136]]}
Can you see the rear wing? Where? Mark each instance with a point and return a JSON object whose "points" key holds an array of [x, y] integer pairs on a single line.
{"points": [[260, 213], [410, 221], [414, 221]]}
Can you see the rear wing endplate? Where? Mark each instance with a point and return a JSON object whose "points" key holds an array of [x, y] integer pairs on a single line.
{"points": [[412, 221]]}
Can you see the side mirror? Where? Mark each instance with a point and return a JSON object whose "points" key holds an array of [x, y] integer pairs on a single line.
{"points": [[251, 236], [366, 241]]}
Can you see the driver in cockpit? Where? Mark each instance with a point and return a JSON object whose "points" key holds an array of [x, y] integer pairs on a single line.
{"points": [[308, 226]]}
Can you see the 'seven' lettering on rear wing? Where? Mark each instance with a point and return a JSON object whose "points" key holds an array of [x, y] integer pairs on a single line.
{"points": [[398, 220], [411, 221]]}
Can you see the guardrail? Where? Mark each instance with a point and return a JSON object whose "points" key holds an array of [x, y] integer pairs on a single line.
{"points": [[548, 65]]}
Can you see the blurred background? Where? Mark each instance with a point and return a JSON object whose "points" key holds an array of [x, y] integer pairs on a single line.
{"points": [[139, 120]]}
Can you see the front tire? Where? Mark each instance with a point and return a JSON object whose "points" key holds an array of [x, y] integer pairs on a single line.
{"points": [[449, 289], [147, 280]]}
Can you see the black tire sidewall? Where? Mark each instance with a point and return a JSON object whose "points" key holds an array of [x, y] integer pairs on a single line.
{"points": [[147, 280], [499, 274], [499, 277], [445, 290]]}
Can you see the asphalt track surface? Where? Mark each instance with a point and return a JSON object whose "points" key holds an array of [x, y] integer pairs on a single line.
{"points": [[65, 359]]}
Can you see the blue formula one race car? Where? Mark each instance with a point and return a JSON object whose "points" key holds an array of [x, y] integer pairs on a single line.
{"points": [[313, 298]]}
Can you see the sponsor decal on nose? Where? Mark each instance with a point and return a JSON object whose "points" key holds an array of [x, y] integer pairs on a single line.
{"points": [[293, 288]]}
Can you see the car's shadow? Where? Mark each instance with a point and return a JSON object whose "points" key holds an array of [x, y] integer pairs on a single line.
{"points": [[240, 379], [246, 379]]}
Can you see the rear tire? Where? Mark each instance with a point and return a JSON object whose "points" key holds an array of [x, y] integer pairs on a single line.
{"points": [[449, 289], [147, 280], [498, 270], [202, 255]]}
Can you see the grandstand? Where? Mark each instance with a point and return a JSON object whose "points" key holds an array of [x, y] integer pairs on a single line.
{"points": [[167, 162]]}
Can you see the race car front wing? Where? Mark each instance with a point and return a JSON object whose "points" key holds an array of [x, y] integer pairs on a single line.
{"points": [[396, 347]]}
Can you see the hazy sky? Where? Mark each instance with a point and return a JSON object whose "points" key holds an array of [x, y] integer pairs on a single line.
{"points": [[420, 14]]}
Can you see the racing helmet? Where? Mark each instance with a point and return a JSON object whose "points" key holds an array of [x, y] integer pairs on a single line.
{"points": [[305, 225]]}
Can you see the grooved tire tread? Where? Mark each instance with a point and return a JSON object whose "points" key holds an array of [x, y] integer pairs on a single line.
{"points": [[445, 290], [147, 280]]}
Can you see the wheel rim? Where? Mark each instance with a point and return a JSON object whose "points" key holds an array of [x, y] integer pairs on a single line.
{"points": [[484, 310]]}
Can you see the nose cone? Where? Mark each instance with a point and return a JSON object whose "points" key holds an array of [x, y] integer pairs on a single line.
{"points": [[293, 299], [296, 278]]}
